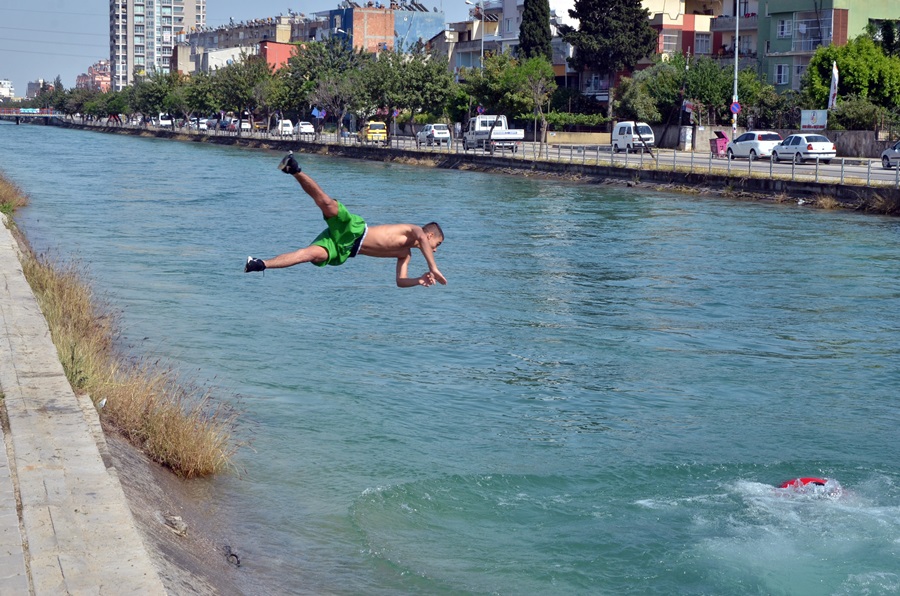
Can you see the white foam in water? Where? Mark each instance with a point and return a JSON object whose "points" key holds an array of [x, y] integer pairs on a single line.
{"points": [[802, 540]]}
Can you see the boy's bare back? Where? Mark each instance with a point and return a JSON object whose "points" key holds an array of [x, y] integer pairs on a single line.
{"points": [[390, 240]]}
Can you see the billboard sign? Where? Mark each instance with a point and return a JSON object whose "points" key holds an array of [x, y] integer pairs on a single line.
{"points": [[813, 119]]}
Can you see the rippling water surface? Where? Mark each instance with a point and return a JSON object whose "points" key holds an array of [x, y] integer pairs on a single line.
{"points": [[600, 401]]}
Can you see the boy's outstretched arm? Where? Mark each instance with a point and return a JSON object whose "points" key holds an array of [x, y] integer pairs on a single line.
{"points": [[425, 247], [426, 279]]}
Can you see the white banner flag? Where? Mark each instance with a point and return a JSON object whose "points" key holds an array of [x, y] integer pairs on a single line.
{"points": [[832, 96]]}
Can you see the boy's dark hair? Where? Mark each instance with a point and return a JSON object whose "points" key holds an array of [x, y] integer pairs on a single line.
{"points": [[433, 227]]}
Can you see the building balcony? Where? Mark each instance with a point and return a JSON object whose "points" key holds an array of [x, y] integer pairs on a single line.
{"points": [[726, 24], [801, 47]]}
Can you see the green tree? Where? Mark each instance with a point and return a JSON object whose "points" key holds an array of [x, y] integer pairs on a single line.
{"points": [[613, 35], [889, 43], [634, 100], [315, 61], [76, 100], [865, 72], [536, 77], [534, 32], [149, 95], [58, 96], [238, 85], [117, 102], [200, 94], [336, 93]]}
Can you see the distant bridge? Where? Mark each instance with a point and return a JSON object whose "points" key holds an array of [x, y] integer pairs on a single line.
{"points": [[18, 114]]}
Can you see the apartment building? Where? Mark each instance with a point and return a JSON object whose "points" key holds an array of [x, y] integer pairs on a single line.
{"points": [[97, 77], [142, 34], [779, 38], [35, 87], [6, 90]]}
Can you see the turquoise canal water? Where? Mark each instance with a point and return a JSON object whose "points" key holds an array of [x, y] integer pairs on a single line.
{"points": [[601, 401]]}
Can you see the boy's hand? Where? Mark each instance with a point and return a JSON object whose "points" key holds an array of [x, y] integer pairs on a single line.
{"points": [[427, 279], [437, 276]]}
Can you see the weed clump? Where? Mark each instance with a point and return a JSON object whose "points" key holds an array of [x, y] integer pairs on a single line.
{"points": [[176, 424]]}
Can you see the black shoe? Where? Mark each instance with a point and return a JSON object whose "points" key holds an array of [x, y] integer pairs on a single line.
{"points": [[289, 165], [254, 265]]}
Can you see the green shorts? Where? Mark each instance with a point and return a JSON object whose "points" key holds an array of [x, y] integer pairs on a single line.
{"points": [[343, 237]]}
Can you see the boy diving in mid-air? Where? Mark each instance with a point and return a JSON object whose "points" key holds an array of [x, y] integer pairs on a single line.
{"points": [[348, 235]]}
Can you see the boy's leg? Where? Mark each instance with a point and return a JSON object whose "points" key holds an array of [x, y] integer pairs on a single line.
{"points": [[328, 205], [311, 254]]}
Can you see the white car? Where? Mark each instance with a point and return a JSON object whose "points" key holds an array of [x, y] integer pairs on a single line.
{"points": [[283, 128], [235, 123], [434, 133], [305, 128], [805, 147], [753, 145], [890, 157]]}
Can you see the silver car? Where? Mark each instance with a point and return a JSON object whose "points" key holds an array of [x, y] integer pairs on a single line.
{"points": [[434, 133], [890, 157], [805, 147], [753, 145]]}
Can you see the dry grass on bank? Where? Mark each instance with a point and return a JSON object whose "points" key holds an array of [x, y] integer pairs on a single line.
{"points": [[176, 424], [11, 197]]}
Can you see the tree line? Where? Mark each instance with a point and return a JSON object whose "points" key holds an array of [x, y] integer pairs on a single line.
{"points": [[417, 86]]}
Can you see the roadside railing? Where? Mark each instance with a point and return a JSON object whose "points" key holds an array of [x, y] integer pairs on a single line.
{"points": [[844, 171]]}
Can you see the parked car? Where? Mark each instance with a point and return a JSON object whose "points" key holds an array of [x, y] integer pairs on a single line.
{"points": [[305, 128], [374, 132], [890, 157], [434, 133], [753, 145], [283, 128], [632, 136], [235, 123], [805, 147]]}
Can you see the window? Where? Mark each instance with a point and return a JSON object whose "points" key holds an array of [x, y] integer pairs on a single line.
{"points": [[784, 28], [703, 42], [670, 43], [781, 74]]}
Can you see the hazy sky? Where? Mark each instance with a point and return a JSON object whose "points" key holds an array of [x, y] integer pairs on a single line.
{"points": [[40, 39]]}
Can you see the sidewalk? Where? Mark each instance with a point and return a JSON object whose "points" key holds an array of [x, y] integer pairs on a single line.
{"points": [[74, 533]]}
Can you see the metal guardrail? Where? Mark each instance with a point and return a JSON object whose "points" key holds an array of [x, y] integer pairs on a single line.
{"points": [[844, 171]]}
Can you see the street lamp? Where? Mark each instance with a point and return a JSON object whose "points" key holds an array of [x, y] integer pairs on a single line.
{"points": [[480, 4], [348, 35]]}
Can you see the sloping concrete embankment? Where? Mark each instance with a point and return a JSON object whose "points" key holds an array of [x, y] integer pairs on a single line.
{"points": [[65, 526]]}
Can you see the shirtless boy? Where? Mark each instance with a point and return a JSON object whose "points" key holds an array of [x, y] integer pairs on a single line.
{"points": [[348, 235]]}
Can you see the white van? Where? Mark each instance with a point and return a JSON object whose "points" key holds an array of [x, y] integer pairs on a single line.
{"points": [[632, 136], [283, 128]]}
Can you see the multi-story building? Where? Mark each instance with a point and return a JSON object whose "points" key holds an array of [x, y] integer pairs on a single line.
{"points": [[6, 90], [372, 27], [35, 87], [97, 77], [142, 34], [780, 38]]}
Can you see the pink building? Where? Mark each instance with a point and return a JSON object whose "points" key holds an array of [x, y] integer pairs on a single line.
{"points": [[97, 78]]}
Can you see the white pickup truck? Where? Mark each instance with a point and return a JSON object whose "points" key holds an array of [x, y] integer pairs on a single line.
{"points": [[491, 133]]}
